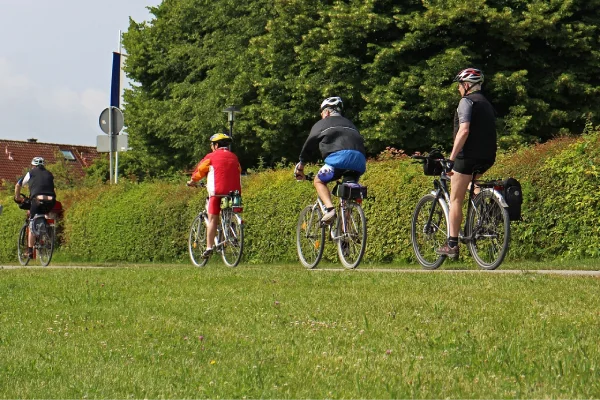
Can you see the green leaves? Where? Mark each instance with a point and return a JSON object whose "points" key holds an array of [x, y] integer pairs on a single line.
{"points": [[391, 61]]}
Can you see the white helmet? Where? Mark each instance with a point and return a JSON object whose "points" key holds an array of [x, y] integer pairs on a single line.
{"points": [[38, 161], [332, 102]]}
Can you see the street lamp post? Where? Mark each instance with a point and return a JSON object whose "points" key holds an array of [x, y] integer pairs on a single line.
{"points": [[231, 111]]}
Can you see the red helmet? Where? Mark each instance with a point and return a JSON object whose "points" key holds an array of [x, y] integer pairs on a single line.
{"points": [[472, 75]]}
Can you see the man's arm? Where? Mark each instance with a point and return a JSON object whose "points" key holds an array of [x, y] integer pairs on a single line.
{"points": [[19, 185], [460, 139], [465, 110], [200, 171], [311, 142]]}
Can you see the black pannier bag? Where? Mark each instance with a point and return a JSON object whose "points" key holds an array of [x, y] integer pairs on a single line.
{"points": [[514, 198], [431, 167], [350, 190]]}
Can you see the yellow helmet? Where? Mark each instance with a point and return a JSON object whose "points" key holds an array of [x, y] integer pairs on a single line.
{"points": [[220, 137]]}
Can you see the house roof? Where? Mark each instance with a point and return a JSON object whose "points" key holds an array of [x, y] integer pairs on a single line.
{"points": [[16, 156]]}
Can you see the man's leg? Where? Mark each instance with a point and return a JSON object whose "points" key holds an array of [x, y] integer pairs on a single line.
{"points": [[33, 211], [459, 184], [211, 230], [325, 196], [325, 175], [213, 211], [323, 192]]}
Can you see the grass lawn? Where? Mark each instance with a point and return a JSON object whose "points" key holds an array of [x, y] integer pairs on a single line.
{"points": [[271, 331]]}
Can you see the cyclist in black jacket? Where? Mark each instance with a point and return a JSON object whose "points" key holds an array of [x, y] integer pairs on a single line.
{"points": [[474, 147], [41, 193], [341, 146]]}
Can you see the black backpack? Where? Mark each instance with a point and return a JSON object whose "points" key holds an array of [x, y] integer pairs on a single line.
{"points": [[514, 198]]}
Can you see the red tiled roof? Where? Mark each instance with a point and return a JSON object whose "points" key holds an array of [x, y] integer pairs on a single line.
{"points": [[16, 156]]}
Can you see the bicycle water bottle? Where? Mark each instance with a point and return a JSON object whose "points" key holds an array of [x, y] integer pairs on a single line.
{"points": [[224, 202]]}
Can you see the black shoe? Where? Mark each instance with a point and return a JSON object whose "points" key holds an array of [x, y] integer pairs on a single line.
{"points": [[448, 251], [207, 253]]}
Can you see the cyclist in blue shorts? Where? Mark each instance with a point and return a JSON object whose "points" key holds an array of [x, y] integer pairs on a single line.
{"points": [[340, 145]]}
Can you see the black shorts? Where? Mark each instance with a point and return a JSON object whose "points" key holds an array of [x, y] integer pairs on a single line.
{"points": [[468, 165], [41, 206]]}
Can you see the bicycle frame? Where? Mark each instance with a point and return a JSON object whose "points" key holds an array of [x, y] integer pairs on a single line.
{"points": [[441, 191], [344, 221]]}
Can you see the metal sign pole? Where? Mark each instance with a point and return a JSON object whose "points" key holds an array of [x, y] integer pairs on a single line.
{"points": [[118, 105], [110, 135]]}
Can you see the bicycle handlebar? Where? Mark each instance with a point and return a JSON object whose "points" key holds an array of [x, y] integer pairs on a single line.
{"points": [[196, 184], [308, 177]]}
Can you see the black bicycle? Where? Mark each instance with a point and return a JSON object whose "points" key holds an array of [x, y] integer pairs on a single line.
{"points": [[44, 230], [229, 240], [349, 231], [487, 226]]}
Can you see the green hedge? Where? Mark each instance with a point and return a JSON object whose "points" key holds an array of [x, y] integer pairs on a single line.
{"points": [[149, 221]]}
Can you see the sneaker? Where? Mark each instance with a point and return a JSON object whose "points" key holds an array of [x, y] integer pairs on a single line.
{"points": [[329, 217], [448, 251], [207, 253]]}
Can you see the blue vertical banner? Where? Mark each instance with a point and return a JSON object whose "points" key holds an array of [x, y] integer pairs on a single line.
{"points": [[115, 85]]}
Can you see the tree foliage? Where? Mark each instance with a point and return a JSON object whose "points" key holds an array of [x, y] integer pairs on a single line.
{"points": [[392, 61]]}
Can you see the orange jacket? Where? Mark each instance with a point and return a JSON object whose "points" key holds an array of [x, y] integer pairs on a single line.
{"points": [[223, 171]]}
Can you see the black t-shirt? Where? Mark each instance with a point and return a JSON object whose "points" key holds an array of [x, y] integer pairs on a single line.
{"points": [[40, 181], [481, 142], [332, 134]]}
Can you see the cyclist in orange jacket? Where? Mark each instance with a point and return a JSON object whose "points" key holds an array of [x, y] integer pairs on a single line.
{"points": [[223, 174]]}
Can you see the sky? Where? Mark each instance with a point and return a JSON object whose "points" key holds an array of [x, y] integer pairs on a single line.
{"points": [[55, 65]]}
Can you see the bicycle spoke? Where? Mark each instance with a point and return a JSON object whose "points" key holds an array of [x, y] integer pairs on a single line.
{"points": [[428, 231], [22, 245], [489, 228], [310, 236], [232, 235], [352, 244], [197, 241]]}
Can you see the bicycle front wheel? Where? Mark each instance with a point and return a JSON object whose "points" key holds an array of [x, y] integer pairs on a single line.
{"points": [[22, 246], [488, 228], [352, 244], [45, 245], [197, 240], [233, 239], [310, 236], [429, 231]]}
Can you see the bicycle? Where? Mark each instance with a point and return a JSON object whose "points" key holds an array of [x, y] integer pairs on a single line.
{"points": [[486, 228], [45, 234], [349, 230], [229, 241]]}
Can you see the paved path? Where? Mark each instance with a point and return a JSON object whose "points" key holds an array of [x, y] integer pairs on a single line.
{"points": [[476, 271], [381, 270]]}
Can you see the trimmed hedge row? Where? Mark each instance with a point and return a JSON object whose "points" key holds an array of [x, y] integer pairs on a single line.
{"points": [[149, 221]]}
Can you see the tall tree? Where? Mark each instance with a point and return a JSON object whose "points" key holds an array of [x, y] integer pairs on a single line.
{"points": [[392, 61]]}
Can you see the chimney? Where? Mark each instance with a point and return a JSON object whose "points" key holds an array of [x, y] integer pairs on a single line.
{"points": [[32, 140]]}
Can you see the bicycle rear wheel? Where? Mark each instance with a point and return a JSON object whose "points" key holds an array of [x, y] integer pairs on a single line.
{"points": [[22, 246], [488, 226], [429, 234], [352, 244], [45, 244], [233, 244], [197, 240], [310, 236]]}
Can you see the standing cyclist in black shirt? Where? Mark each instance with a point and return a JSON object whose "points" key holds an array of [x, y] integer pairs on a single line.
{"points": [[41, 193], [341, 146], [474, 147]]}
